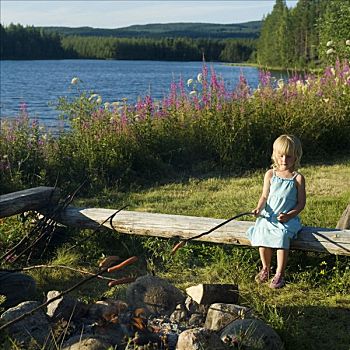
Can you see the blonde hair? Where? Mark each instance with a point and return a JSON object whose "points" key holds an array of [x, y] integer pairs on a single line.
{"points": [[289, 145]]}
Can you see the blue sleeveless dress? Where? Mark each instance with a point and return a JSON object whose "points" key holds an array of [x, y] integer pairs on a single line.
{"points": [[268, 231]]}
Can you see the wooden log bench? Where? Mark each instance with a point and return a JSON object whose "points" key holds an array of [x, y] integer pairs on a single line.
{"points": [[326, 240], [334, 241], [31, 199]]}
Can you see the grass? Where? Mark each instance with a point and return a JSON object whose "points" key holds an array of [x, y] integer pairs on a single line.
{"points": [[217, 196], [199, 126], [311, 312]]}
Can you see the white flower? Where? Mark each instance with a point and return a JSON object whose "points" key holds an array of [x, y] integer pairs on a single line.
{"points": [[107, 105], [5, 156], [200, 77], [75, 81], [99, 100], [115, 104], [330, 51], [93, 96], [280, 83], [347, 42], [189, 82], [333, 70], [329, 43], [300, 86], [193, 92]]}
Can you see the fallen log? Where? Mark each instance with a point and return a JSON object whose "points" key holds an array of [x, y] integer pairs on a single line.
{"points": [[316, 239], [31, 199]]}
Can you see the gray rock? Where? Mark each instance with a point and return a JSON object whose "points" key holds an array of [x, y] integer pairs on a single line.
{"points": [[86, 342], [154, 294], [32, 328], [199, 339], [113, 333], [196, 320], [194, 308], [251, 334], [66, 307], [106, 309], [17, 288], [179, 314], [220, 315]]}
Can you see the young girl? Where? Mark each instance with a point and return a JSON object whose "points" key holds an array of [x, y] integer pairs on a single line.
{"points": [[283, 198]]}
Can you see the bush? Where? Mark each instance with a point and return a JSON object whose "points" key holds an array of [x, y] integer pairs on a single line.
{"points": [[199, 126]]}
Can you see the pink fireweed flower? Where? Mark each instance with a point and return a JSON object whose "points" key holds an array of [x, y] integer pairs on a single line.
{"points": [[242, 88], [265, 78], [173, 94], [214, 85], [124, 120], [182, 87], [196, 103], [24, 110]]}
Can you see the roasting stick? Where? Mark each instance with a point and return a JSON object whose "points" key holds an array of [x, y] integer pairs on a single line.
{"points": [[49, 301], [183, 242]]}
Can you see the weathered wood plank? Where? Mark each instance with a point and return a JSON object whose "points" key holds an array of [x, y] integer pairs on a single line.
{"points": [[344, 221], [161, 225], [31, 199]]}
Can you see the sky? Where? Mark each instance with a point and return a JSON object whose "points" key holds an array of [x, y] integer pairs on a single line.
{"points": [[116, 14]]}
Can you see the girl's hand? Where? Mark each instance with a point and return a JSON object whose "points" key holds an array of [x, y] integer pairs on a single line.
{"points": [[283, 217], [256, 211]]}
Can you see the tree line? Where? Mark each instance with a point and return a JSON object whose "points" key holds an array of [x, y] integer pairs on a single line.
{"points": [[29, 43], [18, 42], [248, 30], [310, 34]]}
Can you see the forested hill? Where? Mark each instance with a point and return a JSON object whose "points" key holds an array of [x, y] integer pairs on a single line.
{"points": [[249, 30]]}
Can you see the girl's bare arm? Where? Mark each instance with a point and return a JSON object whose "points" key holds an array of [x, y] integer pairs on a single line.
{"points": [[265, 193]]}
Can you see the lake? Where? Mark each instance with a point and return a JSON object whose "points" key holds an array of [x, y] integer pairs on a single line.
{"points": [[39, 84]]}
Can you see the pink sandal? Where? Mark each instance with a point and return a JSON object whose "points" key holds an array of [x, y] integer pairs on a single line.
{"points": [[262, 276], [277, 281]]}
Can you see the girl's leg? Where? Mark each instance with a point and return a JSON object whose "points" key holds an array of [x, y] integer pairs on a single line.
{"points": [[278, 280], [282, 257], [265, 256]]}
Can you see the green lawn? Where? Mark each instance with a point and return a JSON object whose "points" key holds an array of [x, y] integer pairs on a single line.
{"points": [[311, 312]]}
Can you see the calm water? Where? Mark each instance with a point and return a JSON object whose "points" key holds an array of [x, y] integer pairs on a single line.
{"points": [[39, 84]]}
